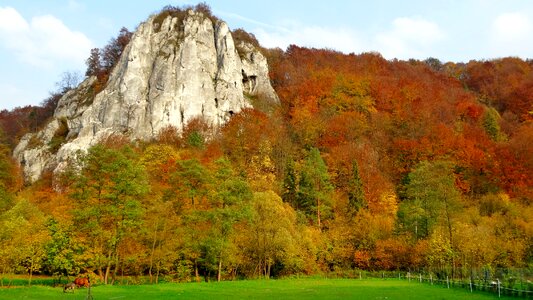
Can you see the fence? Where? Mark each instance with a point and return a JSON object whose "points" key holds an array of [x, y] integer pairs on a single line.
{"points": [[523, 289]]}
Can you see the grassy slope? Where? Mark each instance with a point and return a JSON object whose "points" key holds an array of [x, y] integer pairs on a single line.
{"points": [[258, 289]]}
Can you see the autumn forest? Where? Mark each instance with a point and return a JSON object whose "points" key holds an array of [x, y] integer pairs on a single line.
{"points": [[367, 164]]}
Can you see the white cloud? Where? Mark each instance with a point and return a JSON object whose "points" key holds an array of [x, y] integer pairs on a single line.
{"points": [[511, 26], [409, 38], [11, 20], [511, 35], [74, 5], [44, 41], [340, 39]]}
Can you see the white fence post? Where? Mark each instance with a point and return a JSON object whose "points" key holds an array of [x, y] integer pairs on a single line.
{"points": [[447, 281], [470, 284], [431, 278], [420, 277], [499, 293]]}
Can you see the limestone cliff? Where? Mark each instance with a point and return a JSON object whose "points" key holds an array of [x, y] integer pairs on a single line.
{"points": [[172, 70]]}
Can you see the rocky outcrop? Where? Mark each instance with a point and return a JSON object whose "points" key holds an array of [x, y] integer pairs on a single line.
{"points": [[172, 70]]}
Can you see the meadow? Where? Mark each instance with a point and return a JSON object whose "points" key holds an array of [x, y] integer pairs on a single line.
{"points": [[308, 288]]}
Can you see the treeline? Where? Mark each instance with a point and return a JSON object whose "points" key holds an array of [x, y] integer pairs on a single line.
{"points": [[367, 164], [17, 122], [102, 61]]}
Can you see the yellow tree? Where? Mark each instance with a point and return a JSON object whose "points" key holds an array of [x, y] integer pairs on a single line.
{"points": [[23, 235], [271, 233], [160, 215]]}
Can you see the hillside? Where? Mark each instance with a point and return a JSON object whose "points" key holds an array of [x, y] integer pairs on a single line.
{"points": [[363, 164]]}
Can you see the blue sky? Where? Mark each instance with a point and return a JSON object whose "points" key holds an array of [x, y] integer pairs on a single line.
{"points": [[39, 40]]}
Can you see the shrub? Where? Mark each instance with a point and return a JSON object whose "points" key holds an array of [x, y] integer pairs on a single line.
{"points": [[60, 136], [181, 13]]}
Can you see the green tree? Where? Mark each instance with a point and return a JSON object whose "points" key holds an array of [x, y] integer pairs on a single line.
{"points": [[108, 192], [432, 199], [356, 193], [194, 231], [314, 188], [61, 250], [196, 140], [491, 124], [229, 206], [290, 185], [191, 179]]}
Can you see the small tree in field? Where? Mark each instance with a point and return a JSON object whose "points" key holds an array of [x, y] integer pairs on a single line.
{"points": [[60, 251], [23, 235]]}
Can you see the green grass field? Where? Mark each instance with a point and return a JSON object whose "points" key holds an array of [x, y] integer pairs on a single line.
{"points": [[257, 289]]}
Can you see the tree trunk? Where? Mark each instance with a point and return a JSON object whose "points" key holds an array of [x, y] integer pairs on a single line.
{"points": [[122, 272], [158, 258], [101, 274], [108, 268], [257, 269], [219, 274], [152, 254], [158, 268], [107, 271], [196, 271], [450, 232], [318, 213], [31, 271], [117, 260]]}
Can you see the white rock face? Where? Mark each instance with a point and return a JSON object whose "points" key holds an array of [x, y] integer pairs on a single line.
{"points": [[167, 75]]}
